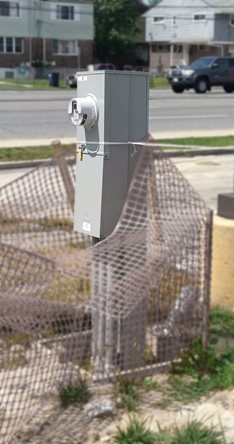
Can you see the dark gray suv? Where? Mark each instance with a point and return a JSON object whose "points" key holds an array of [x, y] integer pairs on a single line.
{"points": [[202, 74]]}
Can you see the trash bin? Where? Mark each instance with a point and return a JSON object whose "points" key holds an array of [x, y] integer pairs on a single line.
{"points": [[54, 79]]}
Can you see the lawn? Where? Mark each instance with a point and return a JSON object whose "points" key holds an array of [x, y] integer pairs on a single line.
{"points": [[27, 153], [28, 84], [46, 152], [159, 82]]}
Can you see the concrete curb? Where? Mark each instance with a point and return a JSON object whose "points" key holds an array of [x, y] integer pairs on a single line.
{"points": [[168, 153]]}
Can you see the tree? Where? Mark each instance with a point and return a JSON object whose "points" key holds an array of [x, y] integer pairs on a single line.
{"points": [[115, 27]]}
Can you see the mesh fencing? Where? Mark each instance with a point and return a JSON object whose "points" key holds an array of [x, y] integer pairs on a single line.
{"points": [[71, 311]]}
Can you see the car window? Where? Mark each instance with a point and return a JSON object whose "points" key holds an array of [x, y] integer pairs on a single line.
{"points": [[221, 63], [231, 63], [204, 62]]}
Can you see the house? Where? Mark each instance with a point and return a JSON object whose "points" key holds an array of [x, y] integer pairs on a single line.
{"points": [[38, 33], [178, 32]]}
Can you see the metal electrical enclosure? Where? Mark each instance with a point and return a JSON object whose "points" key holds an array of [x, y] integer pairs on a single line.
{"points": [[111, 110]]}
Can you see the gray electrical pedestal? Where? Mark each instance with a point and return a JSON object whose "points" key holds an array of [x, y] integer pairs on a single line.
{"points": [[111, 116], [110, 111]]}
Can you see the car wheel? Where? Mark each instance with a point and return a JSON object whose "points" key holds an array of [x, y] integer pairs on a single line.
{"points": [[177, 89], [201, 86], [228, 88]]}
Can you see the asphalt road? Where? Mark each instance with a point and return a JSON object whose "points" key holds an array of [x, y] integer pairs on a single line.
{"points": [[209, 175], [43, 114]]}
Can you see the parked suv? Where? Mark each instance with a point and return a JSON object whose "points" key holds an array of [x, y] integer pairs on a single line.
{"points": [[202, 74]]}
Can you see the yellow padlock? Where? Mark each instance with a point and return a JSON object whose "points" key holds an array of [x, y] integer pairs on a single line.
{"points": [[80, 154]]}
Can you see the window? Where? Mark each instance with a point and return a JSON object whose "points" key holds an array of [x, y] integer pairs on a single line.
{"points": [[9, 9], [158, 20], [18, 45], [64, 12], [160, 47], [199, 17], [178, 49], [221, 63], [231, 21], [65, 47], [11, 45]]}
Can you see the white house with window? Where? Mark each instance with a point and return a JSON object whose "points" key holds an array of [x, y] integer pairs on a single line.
{"points": [[180, 31], [40, 32]]}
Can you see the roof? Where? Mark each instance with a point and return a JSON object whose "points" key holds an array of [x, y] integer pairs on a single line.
{"points": [[222, 5]]}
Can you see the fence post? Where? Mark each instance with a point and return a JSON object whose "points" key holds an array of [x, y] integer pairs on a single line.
{"points": [[207, 277]]}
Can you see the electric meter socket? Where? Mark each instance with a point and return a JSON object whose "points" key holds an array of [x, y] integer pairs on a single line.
{"points": [[83, 111]]}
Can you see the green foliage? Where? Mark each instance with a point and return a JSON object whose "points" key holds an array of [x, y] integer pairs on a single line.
{"points": [[149, 383], [219, 141], [28, 153], [159, 82], [45, 152], [188, 390], [196, 432], [207, 371], [74, 394], [128, 393], [135, 433], [26, 84], [222, 321], [115, 27], [198, 361]]}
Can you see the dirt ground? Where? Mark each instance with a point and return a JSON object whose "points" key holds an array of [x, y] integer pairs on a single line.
{"points": [[77, 426]]}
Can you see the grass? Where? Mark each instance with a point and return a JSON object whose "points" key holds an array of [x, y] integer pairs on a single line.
{"points": [[46, 152], [159, 82], [222, 321], [135, 433], [201, 371], [194, 432], [28, 153], [28, 84], [209, 142], [127, 393], [77, 394]]}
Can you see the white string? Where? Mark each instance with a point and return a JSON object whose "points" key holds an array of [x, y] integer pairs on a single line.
{"points": [[116, 143]]}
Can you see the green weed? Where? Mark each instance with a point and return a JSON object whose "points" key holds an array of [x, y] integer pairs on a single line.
{"points": [[135, 433], [74, 394], [220, 141], [222, 321], [127, 391], [195, 432], [149, 383], [200, 371]]}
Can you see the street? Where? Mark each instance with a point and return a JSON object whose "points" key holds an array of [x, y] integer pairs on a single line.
{"points": [[43, 114], [209, 175]]}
